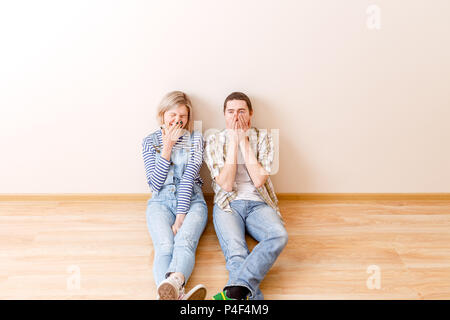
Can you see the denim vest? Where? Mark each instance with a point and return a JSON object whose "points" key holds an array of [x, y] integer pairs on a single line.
{"points": [[178, 162]]}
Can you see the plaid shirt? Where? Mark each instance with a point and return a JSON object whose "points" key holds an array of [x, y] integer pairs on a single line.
{"points": [[215, 154]]}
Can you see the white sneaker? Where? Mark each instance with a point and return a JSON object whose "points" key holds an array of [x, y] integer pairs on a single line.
{"points": [[171, 289], [196, 293]]}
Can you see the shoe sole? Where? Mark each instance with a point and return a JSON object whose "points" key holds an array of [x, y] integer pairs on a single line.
{"points": [[197, 294], [167, 292]]}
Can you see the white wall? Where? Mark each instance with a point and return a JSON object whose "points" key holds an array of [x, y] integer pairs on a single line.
{"points": [[358, 110]]}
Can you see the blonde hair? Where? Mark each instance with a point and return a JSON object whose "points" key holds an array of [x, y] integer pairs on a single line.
{"points": [[173, 100]]}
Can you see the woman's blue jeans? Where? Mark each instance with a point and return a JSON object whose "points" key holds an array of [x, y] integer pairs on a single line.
{"points": [[175, 253]]}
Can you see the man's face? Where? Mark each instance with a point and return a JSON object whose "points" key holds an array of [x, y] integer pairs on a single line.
{"points": [[235, 108]]}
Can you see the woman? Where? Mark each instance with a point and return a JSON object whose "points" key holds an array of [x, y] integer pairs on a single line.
{"points": [[177, 212]]}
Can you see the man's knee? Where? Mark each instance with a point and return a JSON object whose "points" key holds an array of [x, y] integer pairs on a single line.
{"points": [[236, 248], [280, 237]]}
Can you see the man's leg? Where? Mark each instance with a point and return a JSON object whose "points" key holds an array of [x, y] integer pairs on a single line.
{"points": [[230, 230], [265, 226]]}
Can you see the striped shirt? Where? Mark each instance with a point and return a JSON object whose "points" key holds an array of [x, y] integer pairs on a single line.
{"points": [[157, 173]]}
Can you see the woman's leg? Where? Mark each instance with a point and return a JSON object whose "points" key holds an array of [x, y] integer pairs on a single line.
{"points": [[187, 238], [159, 222]]}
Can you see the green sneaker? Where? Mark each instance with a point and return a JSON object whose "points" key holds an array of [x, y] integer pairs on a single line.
{"points": [[221, 296]]}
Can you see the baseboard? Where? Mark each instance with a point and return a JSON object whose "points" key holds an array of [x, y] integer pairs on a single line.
{"points": [[210, 196], [363, 196]]}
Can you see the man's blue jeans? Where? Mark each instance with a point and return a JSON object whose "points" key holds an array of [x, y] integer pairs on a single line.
{"points": [[265, 226]]}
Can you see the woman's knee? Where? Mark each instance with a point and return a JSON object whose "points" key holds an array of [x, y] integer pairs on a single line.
{"points": [[191, 231], [163, 248], [155, 210], [186, 242], [199, 212], [158, 214]]}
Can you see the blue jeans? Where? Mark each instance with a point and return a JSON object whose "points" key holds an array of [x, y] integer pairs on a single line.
{"points": [[175, 253], [265, 226]]}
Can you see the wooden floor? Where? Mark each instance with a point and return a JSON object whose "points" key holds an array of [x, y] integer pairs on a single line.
{"points": [[45, 246]]}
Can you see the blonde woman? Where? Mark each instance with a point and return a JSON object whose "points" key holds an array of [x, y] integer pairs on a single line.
{"points": [[177, 212]]}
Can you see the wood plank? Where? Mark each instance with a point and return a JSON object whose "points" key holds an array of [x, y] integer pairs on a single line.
{"points": [[330, 246]]}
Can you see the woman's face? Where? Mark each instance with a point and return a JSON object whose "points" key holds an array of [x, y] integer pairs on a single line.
{"points": [[172, 116]]}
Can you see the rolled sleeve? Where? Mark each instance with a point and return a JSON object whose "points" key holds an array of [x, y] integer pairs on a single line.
{"points": [[266, 151], [213, 156]]}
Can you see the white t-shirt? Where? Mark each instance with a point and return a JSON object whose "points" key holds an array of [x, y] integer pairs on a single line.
{"points": [[245, 188]]}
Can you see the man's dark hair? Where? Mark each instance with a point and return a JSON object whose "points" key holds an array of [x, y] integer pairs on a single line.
{"points": [[238, 96]]}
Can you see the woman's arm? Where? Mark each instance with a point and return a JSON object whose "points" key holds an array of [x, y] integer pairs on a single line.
{"points": [[187, 182], [191, 171], [156, 175]]}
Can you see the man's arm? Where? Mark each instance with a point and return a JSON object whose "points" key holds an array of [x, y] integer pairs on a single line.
{"points": [[256, 172], [227, 174]]}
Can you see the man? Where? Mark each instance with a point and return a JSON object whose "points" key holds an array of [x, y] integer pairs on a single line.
{"points": [[239, 159]]}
